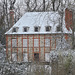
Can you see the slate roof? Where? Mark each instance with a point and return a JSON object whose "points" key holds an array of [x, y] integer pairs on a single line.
{"points": [[40, 19]]}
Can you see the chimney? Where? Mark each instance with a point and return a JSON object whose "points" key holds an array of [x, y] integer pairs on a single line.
{"points": [[68, 19], [12, 2], [11, 16]]}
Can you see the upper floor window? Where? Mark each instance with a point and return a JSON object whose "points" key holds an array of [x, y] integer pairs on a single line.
{"points": [[36, 43], [26, 29], [58, 28], [14, 42], [47, 42], [48, 28], [36, 29]]}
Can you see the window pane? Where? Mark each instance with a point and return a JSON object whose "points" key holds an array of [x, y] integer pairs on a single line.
{"points": [[14, 42], [47, 42], [36, 43], [24, 42]]}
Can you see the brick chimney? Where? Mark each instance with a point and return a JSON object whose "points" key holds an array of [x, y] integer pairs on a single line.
{"points": [[11, 17], [68, 19]]}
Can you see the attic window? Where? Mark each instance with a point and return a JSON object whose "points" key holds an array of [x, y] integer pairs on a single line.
{"points": [[58, 28], [26, 29], [48, 28], [14, 29], [36, 29]]}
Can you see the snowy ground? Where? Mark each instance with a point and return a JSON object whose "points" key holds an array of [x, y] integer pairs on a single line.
{"points": [[9, 68]]}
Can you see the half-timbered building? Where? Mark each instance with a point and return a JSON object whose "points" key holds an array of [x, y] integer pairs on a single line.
{"points": [[36, 34]]}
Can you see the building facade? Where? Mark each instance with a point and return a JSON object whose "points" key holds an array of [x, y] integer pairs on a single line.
{"points": [[35, 35]]}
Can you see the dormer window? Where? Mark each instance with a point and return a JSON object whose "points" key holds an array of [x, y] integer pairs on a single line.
{"points": [[26, 29], [36, 29], [58, 28], [48, 28], [15, 29]]}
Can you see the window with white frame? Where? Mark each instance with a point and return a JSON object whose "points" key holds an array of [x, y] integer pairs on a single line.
{"points": [[24, 42], [47, 42], [36, 42], [14, 42]]}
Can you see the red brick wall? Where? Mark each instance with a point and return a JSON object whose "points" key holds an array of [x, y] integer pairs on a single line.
{"points": [[68, 19]]}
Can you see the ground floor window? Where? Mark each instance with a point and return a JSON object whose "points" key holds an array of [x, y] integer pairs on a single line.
{"points": [[25, 57], [14, 56]]}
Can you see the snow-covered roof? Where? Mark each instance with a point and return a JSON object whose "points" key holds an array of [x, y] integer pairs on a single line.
{"points": [[40, 19]]}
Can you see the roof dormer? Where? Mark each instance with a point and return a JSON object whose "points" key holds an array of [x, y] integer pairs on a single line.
{"points": [[15, 29], [48, 28], [25, 29], [58, 28], [36, 28]]}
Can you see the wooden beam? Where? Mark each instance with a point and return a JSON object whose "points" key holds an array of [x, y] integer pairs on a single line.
{"points": [[7, 46], [28, 46], [22, 47], [17, 47], [11, 47]]}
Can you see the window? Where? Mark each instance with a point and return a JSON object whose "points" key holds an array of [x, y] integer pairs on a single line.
{"points": [[47, 57], [36, 43], [14, 42], [36, 56], [25, 57], [48, 28], [36, 29], [14, 29], [47, 42], [58, 28], [24, 42], [14, 56], [26, 29]]}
